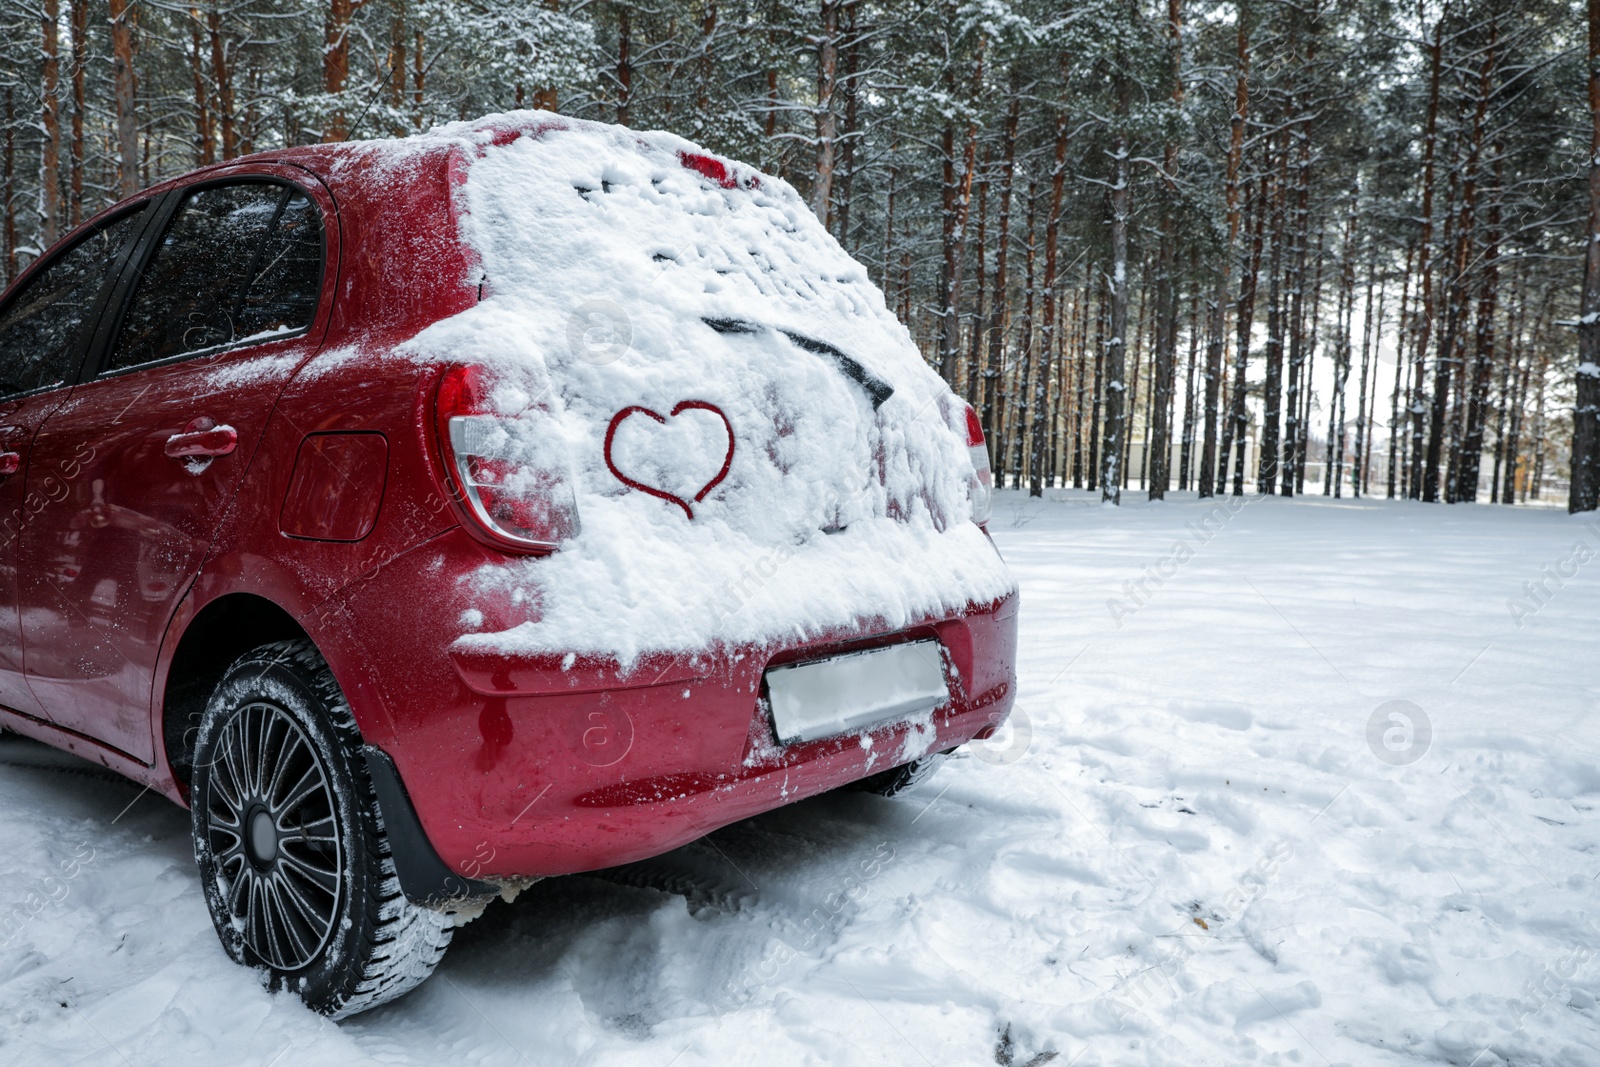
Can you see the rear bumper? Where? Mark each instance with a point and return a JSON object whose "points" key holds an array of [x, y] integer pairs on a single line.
{"points": [[535, 765]]}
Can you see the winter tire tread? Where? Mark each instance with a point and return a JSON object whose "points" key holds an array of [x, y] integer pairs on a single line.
{"points": [[386, 945]]}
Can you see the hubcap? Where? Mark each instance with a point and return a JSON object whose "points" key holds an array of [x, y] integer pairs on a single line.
{"points": [[273, 830], [263, 839]]}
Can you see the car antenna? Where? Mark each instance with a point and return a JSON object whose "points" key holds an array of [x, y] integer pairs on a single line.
{"points": [[356, 125]]}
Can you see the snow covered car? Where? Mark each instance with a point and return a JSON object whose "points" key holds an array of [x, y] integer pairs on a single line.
{"points": [[430, 516]]}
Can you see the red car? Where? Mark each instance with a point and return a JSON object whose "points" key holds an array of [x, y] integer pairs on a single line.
{"points": [[431, 516]]}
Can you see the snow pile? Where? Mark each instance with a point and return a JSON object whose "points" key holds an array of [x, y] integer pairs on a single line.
{"points": [[619, 275]]}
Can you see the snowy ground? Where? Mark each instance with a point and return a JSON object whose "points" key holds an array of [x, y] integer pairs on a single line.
{"points": [[1204, 843]]}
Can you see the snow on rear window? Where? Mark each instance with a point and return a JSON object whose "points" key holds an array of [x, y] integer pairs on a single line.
{"points": [[621, 276], [644, 226]]}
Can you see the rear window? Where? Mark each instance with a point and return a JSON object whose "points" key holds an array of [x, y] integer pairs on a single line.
{"points": [[647, 220]]}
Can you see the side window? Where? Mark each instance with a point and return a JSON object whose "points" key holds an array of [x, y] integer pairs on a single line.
{"points": [[238, 262], [41, 327]]}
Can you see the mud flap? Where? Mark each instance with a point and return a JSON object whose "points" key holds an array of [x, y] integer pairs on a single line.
{"points": [[424, 878]]}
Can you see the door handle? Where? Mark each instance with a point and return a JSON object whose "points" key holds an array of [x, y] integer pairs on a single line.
{"points": [[202, 439], [10, 463]]}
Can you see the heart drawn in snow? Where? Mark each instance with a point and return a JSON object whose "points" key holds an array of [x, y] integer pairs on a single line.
{"points": [[682, 406]]}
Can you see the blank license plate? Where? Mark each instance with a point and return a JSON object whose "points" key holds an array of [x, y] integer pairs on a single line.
{"points": [[844, 693]]}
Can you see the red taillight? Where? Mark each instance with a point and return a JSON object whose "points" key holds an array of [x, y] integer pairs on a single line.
{"points": [[507, 476], [717, 171], [981, 489]]}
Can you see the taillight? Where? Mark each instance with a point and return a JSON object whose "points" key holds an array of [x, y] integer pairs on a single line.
{"points": [[717, 171], [508, 476], [981, 489]]}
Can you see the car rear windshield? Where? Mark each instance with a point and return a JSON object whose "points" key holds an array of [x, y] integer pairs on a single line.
{"points": [[610, 225]]}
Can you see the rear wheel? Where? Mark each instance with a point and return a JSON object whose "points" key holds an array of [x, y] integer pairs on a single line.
{"points": [[293, 858], [901, 779]]}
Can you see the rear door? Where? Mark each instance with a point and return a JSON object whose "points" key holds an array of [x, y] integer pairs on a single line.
{"points": [[45, 325], [222, 308]]}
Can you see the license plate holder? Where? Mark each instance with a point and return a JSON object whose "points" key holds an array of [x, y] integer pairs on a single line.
{"points": [[846, 693]]}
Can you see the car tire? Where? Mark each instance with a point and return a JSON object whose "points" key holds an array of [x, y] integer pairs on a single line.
{"points": [[901, 779], [293, 858]]}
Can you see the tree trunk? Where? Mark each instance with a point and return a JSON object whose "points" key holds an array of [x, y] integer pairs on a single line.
{"points": [[1146, 450], [1346, 338], [1501, 410], [997, 322], [1211, 471], [1452, 347], [1333, 469], [8, 172], [1535, 485], [1508, 488], [1399, 363], [79, 13], [1081, 376], [419, 74], [1358, 459], [1295, 315], [394, 70], [1052, 232], [888, 230], [1483, 354], [771, 119], [1341, 376], [625, 63], [702, 84], [1585, 491], [851, 86], [1130, 404], [1116, 345], [1063, 383], [250, 122], [335, 64], [827, 74], [394, 75], [905, 274], [1102, 320], [1019, 420], [975, 341], [1301, 230], [1311, 347], [1239, 422], [50, 121], [1186, 440], [956, 192], [1272, 384], [1166, 346], [1433, 488], [123, 92], [204, 142], [1372, 399], [950, 261], [1430, 139], [224, 79]]}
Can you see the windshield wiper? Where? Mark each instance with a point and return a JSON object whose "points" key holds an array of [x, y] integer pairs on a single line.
{"points": [[876, 388]]}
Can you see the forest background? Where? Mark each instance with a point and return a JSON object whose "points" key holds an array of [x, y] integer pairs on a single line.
{"points": [[1156, 243]]}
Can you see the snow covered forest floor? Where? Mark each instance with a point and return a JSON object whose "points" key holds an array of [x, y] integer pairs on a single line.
{"points": [[1204, 841]]}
